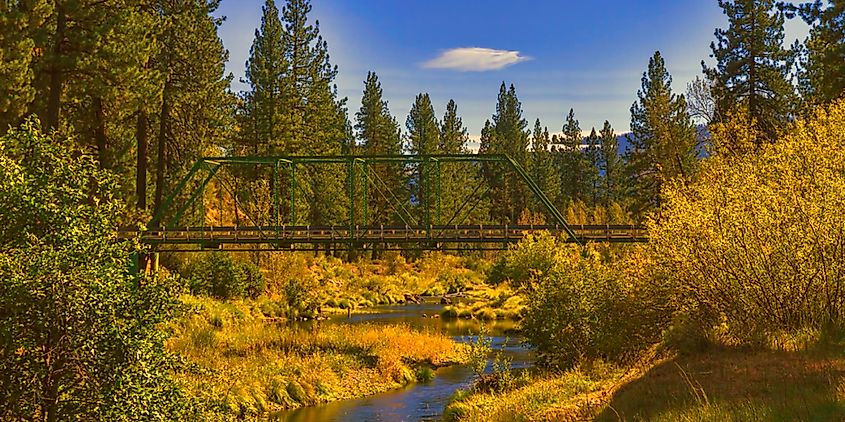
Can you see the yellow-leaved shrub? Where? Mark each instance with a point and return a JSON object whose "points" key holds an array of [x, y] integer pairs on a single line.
{"points": [[757, 242]]}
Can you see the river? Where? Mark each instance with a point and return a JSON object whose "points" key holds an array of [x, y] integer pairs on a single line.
{"points": [[420, 401]]}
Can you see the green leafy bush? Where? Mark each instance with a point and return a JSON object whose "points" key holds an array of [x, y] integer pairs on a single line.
{"points": [[218, 274], [581, 306], [79, 337], [534, 257]]}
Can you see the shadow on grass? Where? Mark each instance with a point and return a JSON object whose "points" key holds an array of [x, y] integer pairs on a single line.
{"points": [[730, 384]]}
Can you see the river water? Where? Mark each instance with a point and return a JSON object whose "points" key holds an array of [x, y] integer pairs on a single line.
{"points": [[420, 401]]}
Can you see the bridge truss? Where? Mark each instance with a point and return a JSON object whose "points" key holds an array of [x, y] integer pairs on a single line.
{"points": [[282, 183]]}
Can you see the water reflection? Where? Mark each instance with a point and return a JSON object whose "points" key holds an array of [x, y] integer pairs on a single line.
{"points": [[416, 402]]}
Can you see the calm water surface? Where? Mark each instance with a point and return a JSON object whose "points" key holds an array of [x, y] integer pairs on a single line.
{"points": [[421, 401]]}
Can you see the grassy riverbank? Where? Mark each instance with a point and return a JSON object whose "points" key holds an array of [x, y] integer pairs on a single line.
{"points": [[242, 366], [721, 384]]}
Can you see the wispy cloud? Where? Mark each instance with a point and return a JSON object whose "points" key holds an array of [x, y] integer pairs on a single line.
{"points": [[475, 59]]}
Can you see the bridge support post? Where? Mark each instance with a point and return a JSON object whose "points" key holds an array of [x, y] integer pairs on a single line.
{"points": [[293, 186]]}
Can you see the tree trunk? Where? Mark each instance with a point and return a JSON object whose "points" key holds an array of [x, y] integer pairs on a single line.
{"points": [[164, 125], [100, 133], [54, 99], [141, 168]]}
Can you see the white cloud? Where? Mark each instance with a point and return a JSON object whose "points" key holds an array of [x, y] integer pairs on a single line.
{"points": [[475, 59]]}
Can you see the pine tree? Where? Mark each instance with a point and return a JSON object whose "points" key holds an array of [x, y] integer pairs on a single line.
{"points": [[592, 153], [542, 168], [453, 134], [194, 114], [90, 74], [423, 128], [19, 21], [752, 65], [662, 139], [379, 134], [424, 139], [262, 123], [611, 166], [571, 162], [460, 182], [315, 118], [508, 135], [822, 74]]}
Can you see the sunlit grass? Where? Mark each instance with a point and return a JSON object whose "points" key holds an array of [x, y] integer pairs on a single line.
{"points": [[246, 366]]}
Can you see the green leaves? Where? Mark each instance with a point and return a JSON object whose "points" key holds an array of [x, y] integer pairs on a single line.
{"points": [[78, 337], [663, 137]]}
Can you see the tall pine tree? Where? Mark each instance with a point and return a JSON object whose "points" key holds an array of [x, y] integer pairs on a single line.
{"points": [[461, 183], [543, 169], [379, 134], [592, 154], [663, 137], [19, 21], [612, 166], [822, 74], [424, 139], [194, 112], [571, 162], [261, 121], [752, 65], [315, 118], [508, 135]]}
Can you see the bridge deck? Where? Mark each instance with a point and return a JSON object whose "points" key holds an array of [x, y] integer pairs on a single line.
{"points": [[389, 237]]}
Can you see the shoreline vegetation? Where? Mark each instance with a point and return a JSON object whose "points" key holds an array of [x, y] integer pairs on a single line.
{"points": [[732, 310], [242, 366], [721, 316]]}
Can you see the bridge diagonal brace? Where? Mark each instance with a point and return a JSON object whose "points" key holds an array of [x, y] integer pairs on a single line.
{"points": [[196, 194], [168, 202], [542, 197]]}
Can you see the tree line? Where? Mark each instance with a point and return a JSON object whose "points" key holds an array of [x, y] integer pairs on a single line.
{"points": [[142, 86]]}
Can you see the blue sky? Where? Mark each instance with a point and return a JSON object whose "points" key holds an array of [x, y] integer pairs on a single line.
{"points": [[586, 55]]}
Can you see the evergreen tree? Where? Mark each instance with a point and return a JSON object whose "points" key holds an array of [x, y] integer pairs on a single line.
{"points": [[592, 154], [379, 134], [571, 162], [194, 112], [460, 182], [19, 21], [662, 139], [542, 168], [752, 65], [262, 123], [424, 139], [315, 118], [611, 166], [423, 128], [453, 134], [508, 135], [822, 74], [91, 76]]}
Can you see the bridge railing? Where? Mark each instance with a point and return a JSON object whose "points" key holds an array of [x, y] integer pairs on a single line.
{"points": [[428, 237]]}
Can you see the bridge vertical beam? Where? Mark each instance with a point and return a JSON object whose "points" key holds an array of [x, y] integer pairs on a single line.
{"points": [[293, 186], [439, 191], [275, 181], [366, 195], [350, 185]]}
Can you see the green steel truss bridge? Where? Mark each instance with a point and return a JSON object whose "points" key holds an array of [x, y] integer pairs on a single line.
{"points": [[267, 218]]}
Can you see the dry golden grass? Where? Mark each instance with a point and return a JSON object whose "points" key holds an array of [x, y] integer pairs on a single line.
{"points": [[722, 384], [244, 366]]}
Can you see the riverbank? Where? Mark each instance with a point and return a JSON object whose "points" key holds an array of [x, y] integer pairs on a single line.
{"points": [[719, 384], [239, 365]]}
